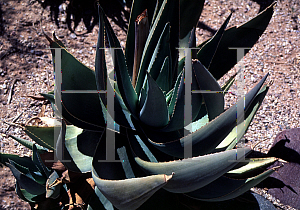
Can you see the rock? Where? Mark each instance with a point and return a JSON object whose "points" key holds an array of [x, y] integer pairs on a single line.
{"points": [[73, 36], [285, 183], [39, 53]]}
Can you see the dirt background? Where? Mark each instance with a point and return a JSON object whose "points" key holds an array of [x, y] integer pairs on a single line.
{"points": [[26, 68]]}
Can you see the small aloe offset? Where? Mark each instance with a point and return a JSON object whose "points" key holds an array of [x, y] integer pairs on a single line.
{"points": [[147, 167]]}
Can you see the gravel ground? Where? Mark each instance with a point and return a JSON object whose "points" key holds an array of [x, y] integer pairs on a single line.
{"points": [[25, 65]]}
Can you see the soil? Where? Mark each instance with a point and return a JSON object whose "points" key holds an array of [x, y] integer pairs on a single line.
{"points": [[26, 69]]}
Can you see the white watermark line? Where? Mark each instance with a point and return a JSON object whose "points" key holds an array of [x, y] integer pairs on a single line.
{"points": [[209, 91], [84, 91]]}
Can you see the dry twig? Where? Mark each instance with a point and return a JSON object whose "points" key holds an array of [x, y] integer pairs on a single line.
{"points": [[14, 120], [11, 91]]}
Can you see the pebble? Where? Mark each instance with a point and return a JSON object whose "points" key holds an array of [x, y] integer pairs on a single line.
{"points": [[73, 36], [39, 53]]}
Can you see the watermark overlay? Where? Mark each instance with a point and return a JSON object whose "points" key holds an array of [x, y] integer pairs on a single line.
{"points": [[110, 95]]}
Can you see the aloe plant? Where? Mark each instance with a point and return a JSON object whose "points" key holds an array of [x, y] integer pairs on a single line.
{"points": [[133, 140]]}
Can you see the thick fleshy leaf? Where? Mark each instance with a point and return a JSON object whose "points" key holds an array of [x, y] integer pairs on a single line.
{"points": [[214, 101], [137, 8], [141, 34], [52, 190], [228, 84], [39, 163], [51, 99], [23, 161], [29, 144], [100, 64], [26, 196], [43, 136], [238, 132], [27, 183], [77, 148], [143, 149], [19, 193], [252, 165], [190, 11], [226, 188], [153, 37], [81, 109], [126, 89], [59, 42], [130, 193], [207, 52], [117, 167], [175, 94], [176, 107], [162, 50], [212, 134], [194, 173], [82, 147], [244, 36], [154, 112], [62, 153], [35, 175], [163, 80], [99, 202]]}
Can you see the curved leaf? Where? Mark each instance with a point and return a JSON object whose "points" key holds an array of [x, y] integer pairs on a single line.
{"points": [[23, 161], [29, 144], [39, 163], [238, 132], [190, 11], [208, 50], [138, 6], [27, 183], [81, 109], [61, 151], [244, 36], [193, 173], [154, 112], [126, 89], [28, 197], [163, 80], [176, 107], [130, 193], [253, 164], [100, 64], [99, 202], [152, 40], [35, 175], [212, 134], [77, 148], [43, 136], [175, 93], [162, 50], [226, 188], [82, 154], [214, 101]]}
